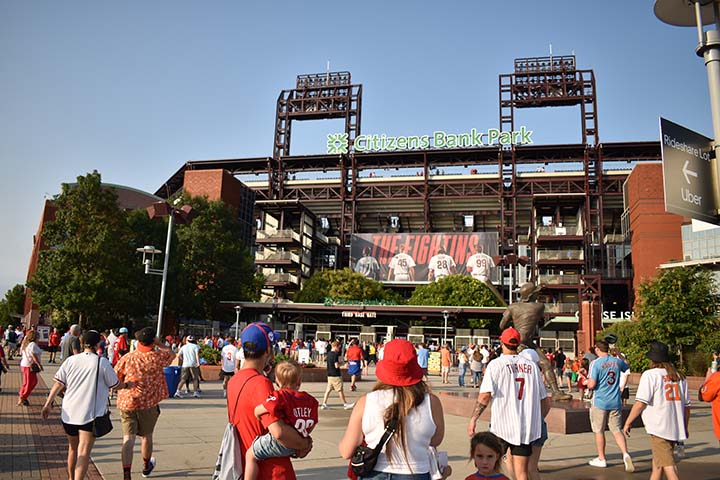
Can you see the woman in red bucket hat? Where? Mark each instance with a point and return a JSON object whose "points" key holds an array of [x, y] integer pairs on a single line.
{"points": [[401, 394]]}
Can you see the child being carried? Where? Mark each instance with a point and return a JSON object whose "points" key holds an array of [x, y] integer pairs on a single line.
{"points": [[299, 409]]}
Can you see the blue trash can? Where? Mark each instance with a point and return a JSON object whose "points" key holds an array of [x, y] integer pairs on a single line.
{"points": [[172, 378]]}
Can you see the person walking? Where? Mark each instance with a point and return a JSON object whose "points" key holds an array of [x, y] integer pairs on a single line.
{"points": [[53, 344], [476, 367], [334, 377], [445, 362], [402, 398], [10, 338], [664, 401], [71, 345], [30, 366], [4, 367], [710, 392], [559, 365], [520, 402], [606, 409], [229, 362], [463, 362], [139, 405], [354, 357], [423, 357], [250, 387], [86, 381], [190, 358]]}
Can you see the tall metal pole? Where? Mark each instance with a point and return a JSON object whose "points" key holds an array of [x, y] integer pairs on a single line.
{"points": [[171, 221], [237, 321], [445, 317], [709, 48]]}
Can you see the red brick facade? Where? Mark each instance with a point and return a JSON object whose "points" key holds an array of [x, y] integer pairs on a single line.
{"points": [[656, 236], [213, 184]]}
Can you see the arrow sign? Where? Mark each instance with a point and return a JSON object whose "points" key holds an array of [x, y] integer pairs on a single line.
{"points": [[687, 154], [687, 172]]}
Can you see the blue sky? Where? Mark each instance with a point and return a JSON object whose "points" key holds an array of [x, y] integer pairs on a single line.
{"points": [[135, 88]]}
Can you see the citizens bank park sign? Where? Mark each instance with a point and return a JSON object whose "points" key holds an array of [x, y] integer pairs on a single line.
{"points": [[338, 143]]}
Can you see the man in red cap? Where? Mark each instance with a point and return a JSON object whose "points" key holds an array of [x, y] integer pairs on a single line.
{"points": [[520, 401]]}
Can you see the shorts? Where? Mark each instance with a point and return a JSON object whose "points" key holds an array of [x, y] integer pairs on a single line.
{"points": [[335, 383], [353, 367], [599, 419], [267, 446], [227, 374], [139, 422], [540, 442], [662, 451], [568, 374], [521, 450], [74, 430], [445, 369], [52, 349], [625, 393]]}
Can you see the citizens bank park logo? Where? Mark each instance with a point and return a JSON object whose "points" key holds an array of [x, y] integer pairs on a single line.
{"points": [[338, 143]]}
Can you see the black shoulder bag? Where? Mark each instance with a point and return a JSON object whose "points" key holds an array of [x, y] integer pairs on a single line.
{"points": [[364, 458], [102, 424]]}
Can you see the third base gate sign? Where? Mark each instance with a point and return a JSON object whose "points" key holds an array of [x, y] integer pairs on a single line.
{"points": [[687, 159]]}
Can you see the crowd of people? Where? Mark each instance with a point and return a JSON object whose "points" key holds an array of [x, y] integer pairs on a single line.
{"points": [[275, 425]]}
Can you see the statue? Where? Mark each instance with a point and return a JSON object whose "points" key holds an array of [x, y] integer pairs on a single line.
{"points": [[526, 316]]}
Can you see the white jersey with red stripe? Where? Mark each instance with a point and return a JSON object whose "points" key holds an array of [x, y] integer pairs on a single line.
{"points": [[666, 400], [517, 388], [401, 265], [441, 265], [480, 265]]}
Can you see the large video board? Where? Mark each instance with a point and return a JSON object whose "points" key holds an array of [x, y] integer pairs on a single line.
{"points": [[421, 257]]}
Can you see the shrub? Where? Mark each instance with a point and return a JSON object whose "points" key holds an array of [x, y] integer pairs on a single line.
{"points": [[210, 355]]}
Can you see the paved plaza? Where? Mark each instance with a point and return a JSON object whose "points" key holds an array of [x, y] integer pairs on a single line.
{"points": [[188, 435]]}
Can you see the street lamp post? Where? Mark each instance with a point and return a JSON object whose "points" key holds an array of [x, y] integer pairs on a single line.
{"points": [[163, 209], [445, 315], [698, 13], [237, 320]]}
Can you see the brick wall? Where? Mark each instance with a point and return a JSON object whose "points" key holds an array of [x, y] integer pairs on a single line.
{"points": [[213, 184], [656, 236]]}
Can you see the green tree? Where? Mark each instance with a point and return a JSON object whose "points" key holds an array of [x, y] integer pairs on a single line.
{"points": [[212, 263], [456, 290], [84, 275], [345, 285], [680, 306], [12, 304]]}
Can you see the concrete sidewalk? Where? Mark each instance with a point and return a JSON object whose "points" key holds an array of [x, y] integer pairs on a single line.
{"points": [[188, 435]]}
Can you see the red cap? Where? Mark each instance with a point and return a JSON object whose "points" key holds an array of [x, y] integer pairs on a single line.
{"points": [[399, 365], [511, 337]]}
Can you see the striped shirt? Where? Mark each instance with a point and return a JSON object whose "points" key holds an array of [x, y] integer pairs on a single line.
{"points": [[517, 388]]}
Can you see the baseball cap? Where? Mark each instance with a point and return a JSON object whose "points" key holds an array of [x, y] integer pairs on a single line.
{"points": [[190, 338], [511, 337], [399, 366], [91, 338], [257, 337], [123, 330], [659, 352]]}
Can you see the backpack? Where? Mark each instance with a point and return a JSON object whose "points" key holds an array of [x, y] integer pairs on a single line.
{"points": [[229, 463]]}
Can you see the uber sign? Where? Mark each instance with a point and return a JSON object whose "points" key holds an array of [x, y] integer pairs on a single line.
{"points": [[687, 172]]}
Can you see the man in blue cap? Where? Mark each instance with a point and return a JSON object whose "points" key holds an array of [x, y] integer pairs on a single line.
{"points": [[248, 388]]}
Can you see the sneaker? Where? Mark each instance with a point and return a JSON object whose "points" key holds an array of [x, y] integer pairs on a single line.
{"points": [[196, 394], [149, 468], [324, 406], [353, 387], [598, 462], [629, 467], [348, 406], [178, 394], [224, 393]]}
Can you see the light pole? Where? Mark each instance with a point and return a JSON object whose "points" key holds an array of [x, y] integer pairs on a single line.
{"points": [[184, 214], [237, 320], [698, 13], [445, 315]]}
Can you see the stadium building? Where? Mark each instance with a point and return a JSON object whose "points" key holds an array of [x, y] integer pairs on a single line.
{"points": [[586, 220]]}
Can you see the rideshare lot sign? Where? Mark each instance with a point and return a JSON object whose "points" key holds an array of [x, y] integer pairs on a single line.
{"points": [[687, 172]]}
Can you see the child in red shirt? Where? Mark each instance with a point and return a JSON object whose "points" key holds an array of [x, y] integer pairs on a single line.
{"points": [[486, 452], [299, 409], [582, 377]]}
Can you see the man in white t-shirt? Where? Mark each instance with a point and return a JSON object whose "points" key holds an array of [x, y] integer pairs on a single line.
{"points": [[402, 266], [485, 357], [664, 401], [228, 353], [480, 265], [321, 350], [190, 356], [440, 265], [520, 401]]}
